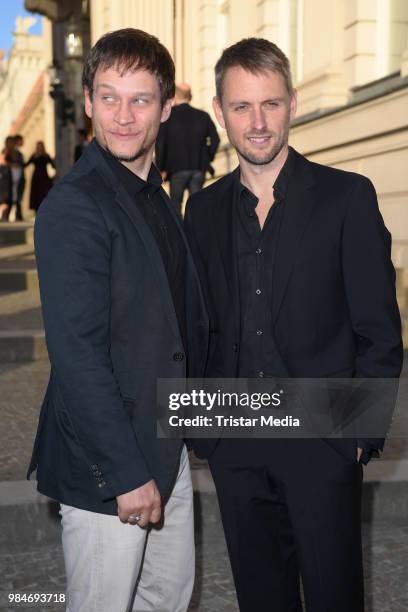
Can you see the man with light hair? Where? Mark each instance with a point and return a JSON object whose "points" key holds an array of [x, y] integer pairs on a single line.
{"points": [[294, 260]]}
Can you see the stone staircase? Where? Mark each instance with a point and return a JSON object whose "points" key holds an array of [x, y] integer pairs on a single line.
{"points": [[21, 329]]}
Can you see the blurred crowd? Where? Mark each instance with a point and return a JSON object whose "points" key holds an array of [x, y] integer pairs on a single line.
{"points": [[13, 180]]}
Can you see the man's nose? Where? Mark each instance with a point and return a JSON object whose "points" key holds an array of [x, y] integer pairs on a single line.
{"points": [[258, 121], [124, 114]]}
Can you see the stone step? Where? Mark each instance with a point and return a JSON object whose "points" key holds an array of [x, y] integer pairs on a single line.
{"points": [[16, 233], [22, 346], [16, 279]]}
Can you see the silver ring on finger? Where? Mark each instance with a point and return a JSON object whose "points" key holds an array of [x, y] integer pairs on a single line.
{"points": [[135, 518]]}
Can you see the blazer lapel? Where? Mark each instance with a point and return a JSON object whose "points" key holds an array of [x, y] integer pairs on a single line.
{"points": [[224, 219], [298, 209], [125, 202]]}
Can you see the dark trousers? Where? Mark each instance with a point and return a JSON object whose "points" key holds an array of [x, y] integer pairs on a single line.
{"points": [[291, 508], [192, 180]]}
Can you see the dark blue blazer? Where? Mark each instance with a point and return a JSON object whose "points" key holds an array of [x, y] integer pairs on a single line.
{"points": [[111, 332]]}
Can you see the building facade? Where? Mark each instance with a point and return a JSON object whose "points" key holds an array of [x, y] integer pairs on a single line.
{"points": [[25, 106]]}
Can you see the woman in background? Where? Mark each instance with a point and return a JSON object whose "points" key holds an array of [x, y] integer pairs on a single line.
{"points": [[41, 182], [5, 187]]}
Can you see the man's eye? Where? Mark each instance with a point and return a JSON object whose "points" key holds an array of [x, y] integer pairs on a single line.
{"points": [[140, 101], [240, 108], [108, 98], [272, 104]]}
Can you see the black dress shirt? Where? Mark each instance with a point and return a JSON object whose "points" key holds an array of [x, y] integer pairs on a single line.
{"points": [[256, 249], [151, 200]]}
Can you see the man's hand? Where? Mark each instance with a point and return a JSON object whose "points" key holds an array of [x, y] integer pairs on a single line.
{"points": [[144, 501], [359, 453]]}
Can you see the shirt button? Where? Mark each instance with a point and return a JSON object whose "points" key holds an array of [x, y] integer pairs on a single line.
{"points": [[261, 374], [258, 292], [259, 332], [258, 251]]}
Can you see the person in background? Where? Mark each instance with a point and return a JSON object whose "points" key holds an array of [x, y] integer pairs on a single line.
{"points": [[41, 182], [82, 138], [5, 187], [186, 146], [20, 186], [12, 159]]}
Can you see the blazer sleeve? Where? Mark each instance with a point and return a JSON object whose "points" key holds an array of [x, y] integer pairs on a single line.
{"points": [[73, 255], [369, 279]]}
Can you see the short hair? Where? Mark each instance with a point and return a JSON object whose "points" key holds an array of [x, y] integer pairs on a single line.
{"points": [[255, 55], [131, 49]]}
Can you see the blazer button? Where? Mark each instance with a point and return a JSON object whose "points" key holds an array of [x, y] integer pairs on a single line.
{"points": [[235, 348], [178, 356], [101, 483]]}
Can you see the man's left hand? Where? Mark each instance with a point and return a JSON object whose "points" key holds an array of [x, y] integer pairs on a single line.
{"points": [[359, 453]]}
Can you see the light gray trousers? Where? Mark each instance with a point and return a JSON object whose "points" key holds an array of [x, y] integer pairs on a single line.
{"points": [[103, 557]]}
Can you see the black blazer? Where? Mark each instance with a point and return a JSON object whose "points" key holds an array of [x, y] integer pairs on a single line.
{"points": [[334, 305], [188, 140], [111, 331]]}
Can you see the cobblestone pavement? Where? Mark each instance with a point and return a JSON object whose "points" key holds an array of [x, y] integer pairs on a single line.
{"points": [[22, 388], [385, 551]]}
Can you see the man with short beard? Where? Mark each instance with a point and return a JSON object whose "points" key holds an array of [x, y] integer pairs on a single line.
{"points": [[122, 307], [294, 260]]}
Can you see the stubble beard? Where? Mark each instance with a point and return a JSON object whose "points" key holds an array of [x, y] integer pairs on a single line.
{"points": [[264, 158], [127, 158], [121, 157]]}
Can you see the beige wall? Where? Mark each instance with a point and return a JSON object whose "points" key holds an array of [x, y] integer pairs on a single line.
{"points": [[28, 58], [25, 105]]}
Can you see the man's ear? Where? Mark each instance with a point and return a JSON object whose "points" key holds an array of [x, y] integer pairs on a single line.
{"points": [[293, 105], [166, 110], [88, 103], [218, 111]]}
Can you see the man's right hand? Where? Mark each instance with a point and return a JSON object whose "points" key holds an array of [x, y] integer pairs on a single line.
{"points": [[145, 501]]}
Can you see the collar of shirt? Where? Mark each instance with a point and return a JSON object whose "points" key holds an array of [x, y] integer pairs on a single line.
{"points": [[280, 186], [131, 181]]}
